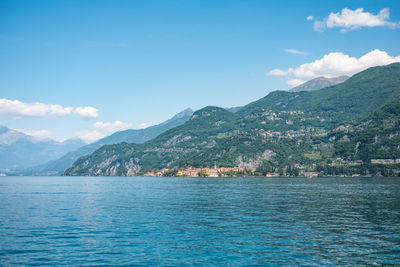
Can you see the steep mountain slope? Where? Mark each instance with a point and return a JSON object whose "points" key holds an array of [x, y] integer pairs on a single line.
{"points": [[319, 83], [204, 129], [142, 135], [376, 136], [18, 150], [359, 95], [283, 132], [366, 146], [58, 166]]}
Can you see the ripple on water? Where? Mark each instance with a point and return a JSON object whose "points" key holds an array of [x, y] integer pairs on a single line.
{"points": [[196, 221]]}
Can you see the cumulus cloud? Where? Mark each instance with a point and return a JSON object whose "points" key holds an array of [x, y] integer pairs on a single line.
{"points": [[348, 20], [87, 112], [295, 82], [37, 109], [112, 126], [36, 133], [102, 129], [336, 64], [295, 51], [90, 135], [143, 125], [310, 18], [277, 72]]}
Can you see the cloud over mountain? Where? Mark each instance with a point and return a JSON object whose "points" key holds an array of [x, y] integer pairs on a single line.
{"points": [[112, 126], [36, 133], [101, 129], [295, 82], [335, 64], [90, 135], [37, 109]]}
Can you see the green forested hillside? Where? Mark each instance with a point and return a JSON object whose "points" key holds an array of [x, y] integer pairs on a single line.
{"points": [[200, 132], [58, 166], [374, 137], [359, 95], [335, 130]]}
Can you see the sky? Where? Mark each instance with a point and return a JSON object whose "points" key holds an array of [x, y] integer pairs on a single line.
{"points": [[89, 68]]}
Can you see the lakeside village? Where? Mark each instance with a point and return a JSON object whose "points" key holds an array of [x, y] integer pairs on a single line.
{"points": [[338, 168], [298, 170]]}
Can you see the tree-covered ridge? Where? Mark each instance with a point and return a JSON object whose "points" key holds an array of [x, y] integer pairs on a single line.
{"points": [[375, 137], [200, 132], [330, 130], [360, 94], [58, 166]]}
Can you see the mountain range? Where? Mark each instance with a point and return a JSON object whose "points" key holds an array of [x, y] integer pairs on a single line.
{"points": [[19, 150], [351, 128], [59, 165]]}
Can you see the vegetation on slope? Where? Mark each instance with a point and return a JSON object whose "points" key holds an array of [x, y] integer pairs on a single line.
{"points": [[289, 133], [57, 167]]}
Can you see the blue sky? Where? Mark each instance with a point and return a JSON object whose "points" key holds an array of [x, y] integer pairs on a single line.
{"points": [[141, 62]]}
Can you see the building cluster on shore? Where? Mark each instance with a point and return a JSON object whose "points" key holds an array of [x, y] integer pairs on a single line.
{"points": [[241, 171], [200, 172]]}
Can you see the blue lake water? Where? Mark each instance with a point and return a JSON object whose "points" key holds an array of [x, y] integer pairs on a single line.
{"points": [[199, 221]]}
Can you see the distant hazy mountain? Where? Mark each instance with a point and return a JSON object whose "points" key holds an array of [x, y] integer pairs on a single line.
{"points": [[319, 83], [138, 136], [19, 150]]}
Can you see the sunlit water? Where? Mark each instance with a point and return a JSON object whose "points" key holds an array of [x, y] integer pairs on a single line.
{"points": [[199, 221]]}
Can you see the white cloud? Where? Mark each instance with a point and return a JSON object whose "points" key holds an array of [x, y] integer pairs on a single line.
{"points": [[295, 51], [336, 64], [348, 19], [37, 109], [90, 135], [102, 129], [143, 125], [319, 26], [295, 82], [87, 112], [35, 133], [310, 18], [112, 126], [277, 72]]}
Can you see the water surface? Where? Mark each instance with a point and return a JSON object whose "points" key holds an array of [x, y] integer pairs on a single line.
{"points": [[199, 221]]}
